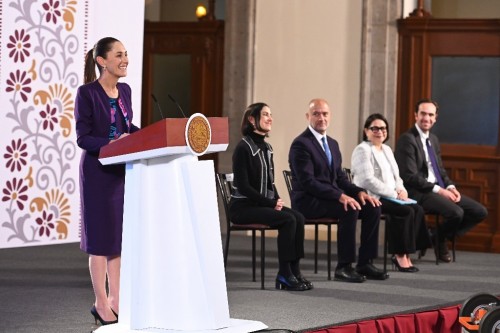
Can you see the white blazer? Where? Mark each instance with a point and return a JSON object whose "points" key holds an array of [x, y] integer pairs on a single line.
{"points": [[366, 171]]}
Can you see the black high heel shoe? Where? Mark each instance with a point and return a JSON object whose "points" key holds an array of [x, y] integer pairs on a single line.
{"points": [[411, 269], [414, 269], [116, 314], [97, 317], [290, 283]]}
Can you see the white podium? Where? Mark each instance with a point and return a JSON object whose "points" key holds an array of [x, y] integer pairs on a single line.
{"points": [[172, 269]]}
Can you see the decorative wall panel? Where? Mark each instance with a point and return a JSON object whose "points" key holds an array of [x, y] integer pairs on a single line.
{"points": [[42, 49]]}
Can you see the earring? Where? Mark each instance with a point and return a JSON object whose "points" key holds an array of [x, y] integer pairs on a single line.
{"points": [[104, 68]]}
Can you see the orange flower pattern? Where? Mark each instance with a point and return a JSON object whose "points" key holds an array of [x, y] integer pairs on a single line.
{"points": [[56, 202], [58, 95]]}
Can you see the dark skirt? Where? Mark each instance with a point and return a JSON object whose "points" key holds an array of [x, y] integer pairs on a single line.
{"points": [[101, 198], [406, 230]]}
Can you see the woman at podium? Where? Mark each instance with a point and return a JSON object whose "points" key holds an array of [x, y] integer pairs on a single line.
{"points": [[256, 200], [103, 114]]}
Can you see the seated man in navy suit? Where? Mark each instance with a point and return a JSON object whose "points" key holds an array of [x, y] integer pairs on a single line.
{"points": [[321, 189]]}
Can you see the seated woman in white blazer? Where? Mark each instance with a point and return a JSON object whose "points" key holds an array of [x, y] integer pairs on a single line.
{"points": [[374, 168]]}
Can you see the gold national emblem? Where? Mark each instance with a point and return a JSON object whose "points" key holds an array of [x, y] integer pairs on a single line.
{"points": [[198, 134]]}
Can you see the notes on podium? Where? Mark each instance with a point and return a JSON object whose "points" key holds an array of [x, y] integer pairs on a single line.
{"points": [[172, 267]]}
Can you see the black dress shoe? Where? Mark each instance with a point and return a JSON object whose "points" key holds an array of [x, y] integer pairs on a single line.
{"points": [[445, 257], [305, 281], [348, 274], [444, 254], [371, 272], [290, 283]]}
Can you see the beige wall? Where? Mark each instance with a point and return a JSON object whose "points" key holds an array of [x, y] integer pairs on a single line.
{"points": [[307, 49]]}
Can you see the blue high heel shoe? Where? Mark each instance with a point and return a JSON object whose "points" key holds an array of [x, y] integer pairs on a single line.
{"points": [[290, 283], [97, 317]]}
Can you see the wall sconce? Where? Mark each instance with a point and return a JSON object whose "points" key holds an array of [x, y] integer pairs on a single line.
{"points": [[201, 12]]}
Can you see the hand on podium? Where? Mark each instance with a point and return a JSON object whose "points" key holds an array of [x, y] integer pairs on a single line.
{"points": [[120, 137]]}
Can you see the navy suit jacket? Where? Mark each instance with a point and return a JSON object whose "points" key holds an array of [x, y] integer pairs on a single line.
{"points": [[410, 157], [314, 183]]}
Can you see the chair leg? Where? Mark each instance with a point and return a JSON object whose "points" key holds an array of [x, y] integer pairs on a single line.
{"points": [[262, 257], [226, 248], [437, 250], [253, 256], [315, 249], [329, 251], [453, 247], [386, 240]]}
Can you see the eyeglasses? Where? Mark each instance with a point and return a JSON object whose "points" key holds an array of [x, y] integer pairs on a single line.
{"points": [[376, 129]]}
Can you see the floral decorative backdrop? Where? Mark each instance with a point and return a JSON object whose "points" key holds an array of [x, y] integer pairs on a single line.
{"points": [[41, 57], [42, 50], [40, 71]]}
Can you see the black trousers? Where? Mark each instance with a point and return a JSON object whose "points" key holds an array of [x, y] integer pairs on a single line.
{"points": [[346, 232], [289, 222], [406, 229], [458, 217]]}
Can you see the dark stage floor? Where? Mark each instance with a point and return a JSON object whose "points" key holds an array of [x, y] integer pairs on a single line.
{"points": [[48, 289]]}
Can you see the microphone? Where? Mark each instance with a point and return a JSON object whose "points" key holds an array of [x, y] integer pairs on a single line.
{"points": [[157, 105], [177, 104]]}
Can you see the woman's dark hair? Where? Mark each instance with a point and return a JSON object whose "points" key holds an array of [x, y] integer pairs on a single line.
{"points": [[370, 119], [253, 110], [426, 100], [100, 49]]}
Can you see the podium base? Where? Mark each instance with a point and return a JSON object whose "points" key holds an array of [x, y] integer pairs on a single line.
{"points": [[235, 326]]}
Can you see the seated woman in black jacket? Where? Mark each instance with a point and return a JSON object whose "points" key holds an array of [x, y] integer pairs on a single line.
{"points": [[256, 200]]}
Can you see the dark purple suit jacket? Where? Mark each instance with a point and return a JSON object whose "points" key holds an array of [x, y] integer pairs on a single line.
{"points": [[314, 183], [101, 186], [92, 115]]}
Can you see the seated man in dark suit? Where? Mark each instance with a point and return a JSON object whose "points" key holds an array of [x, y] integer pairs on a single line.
{"points": [[419, 159], [322, 189]]}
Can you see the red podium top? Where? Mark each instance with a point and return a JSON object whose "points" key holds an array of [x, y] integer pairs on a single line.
{"points": [[165, 137]]}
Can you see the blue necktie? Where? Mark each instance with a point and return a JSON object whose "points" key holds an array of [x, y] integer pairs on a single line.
{"points": [[327, 152], [432, 157]]}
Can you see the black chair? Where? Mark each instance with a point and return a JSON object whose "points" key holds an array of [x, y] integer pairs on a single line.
{"points": [[225, 188], [328, 222], [433, 222]]}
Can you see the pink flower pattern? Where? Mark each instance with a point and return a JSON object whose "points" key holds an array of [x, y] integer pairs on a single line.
{"points": [[15, 191], [49, 117], [19, 43], [52, 9], [46, 223], [19, 82], [16, 155]]}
